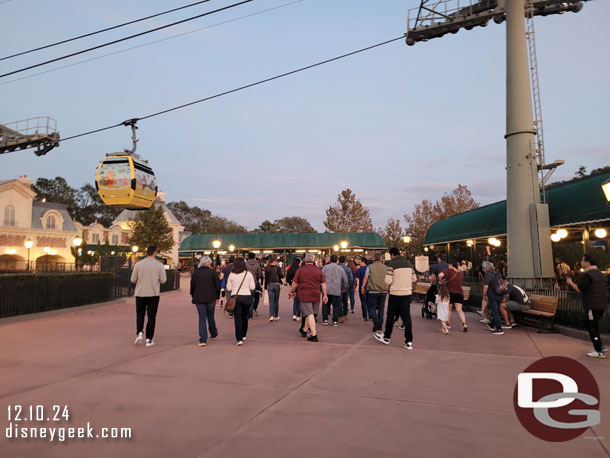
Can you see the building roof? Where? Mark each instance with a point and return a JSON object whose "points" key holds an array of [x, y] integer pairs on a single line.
{"points": [[40, 208], [575, 202], [242, 242], [128, 215]]}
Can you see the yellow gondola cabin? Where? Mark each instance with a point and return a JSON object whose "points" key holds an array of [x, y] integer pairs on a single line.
{"points": [[126, 181]]}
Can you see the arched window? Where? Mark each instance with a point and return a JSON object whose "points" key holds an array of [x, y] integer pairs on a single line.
{"points": [[9, 215], [50, 222]]}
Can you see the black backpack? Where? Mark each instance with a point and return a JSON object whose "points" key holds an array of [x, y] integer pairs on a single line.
{"points": [[500, 285]]}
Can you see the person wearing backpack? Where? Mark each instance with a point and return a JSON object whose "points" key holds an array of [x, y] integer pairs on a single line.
{"points": [[494, 289]]}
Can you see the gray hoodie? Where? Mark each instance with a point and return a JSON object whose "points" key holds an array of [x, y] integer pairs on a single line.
{"points": [[254, 268]]}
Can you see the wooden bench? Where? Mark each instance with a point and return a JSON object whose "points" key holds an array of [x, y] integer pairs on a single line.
{"points": [[422, 288], [544, 308]]}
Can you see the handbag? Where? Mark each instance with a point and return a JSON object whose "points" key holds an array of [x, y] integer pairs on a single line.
{"points": [[230, 305], [266, 298]]}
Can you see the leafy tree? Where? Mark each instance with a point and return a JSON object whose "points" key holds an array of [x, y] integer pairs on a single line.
{"points": [[427, 213], [266, 227], [84, 204], [293, 224], [581, 172], [150, 227], [286, 225], [91, 208], [348, 214], [56, 190], [392, 233]]}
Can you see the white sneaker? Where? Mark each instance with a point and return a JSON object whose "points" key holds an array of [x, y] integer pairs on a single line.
{"points": [[294, 317], [408, 346], [139, 339], [150, 342], [201, 344], [594, 354], [239, 343], [480, 313], [276, 318], [485, 321], [380, 337], [245, 338], [270, 319]]}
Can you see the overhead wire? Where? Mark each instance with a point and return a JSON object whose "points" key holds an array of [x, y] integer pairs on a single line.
{"points": [[151, 42], [126, 38], [101, 30], [266, 80]]}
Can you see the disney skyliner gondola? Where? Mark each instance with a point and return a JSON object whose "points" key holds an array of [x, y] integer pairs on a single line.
{"points": [[125, 180]]}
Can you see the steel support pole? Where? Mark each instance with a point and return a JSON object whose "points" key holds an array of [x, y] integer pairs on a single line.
{"points": [[522, 188]]}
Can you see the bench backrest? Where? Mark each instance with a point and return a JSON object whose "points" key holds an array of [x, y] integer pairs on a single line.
{"points": [[544, 303]]}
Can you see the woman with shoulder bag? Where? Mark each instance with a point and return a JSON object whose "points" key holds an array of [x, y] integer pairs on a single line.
{"points": [[241, 284]]}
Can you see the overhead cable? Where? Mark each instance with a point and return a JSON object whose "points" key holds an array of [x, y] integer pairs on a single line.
{"points": [[151, 42], [205, 99], [102, 30], [125, 38]]}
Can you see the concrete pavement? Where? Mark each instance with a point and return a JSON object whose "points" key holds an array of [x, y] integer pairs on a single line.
{"points": [[278, 395]]}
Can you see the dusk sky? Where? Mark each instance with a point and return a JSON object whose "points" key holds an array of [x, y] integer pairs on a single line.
{"points": [[396, 124]]}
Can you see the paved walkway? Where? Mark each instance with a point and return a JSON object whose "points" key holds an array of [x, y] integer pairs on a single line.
{"points": [[278, 395]]}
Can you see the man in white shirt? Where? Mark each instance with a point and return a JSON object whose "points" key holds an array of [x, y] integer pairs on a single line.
{"points": [[148, 275]]}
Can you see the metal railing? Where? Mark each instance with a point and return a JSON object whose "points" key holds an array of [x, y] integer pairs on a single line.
{"points": [[569, 307], [17, 266], [29, 292]]}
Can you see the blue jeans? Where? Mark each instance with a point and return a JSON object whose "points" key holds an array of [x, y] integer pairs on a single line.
{"points": [[363, 304], [274, 299], [345, 309], [352, 300], [206, 312], [255, 298], [494, 305], [376, 303], [296, 307]]}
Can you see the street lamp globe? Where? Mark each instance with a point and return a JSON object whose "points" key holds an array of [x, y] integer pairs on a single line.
{"points": [[135, 248], [336, 247], [46, 249], [406, 238], [29, 244], [343, 244], [77, 242], [231, 247], [601, 233], [216, 244]]}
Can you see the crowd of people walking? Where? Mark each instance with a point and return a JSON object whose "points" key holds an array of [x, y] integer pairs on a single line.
{"points": [[332, 288]]}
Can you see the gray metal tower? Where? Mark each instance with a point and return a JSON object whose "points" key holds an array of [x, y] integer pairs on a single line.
{"points": [[528, 233]]}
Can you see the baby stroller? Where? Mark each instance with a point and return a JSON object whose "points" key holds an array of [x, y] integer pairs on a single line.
{"points": [[428, 309]]}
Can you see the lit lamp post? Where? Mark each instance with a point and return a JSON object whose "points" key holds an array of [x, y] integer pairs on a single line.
{"points": [[343, 244], [29, 244], [77, 243], [46, 256], [406, 239], [216, 244], [336, 247], [134, 250]]}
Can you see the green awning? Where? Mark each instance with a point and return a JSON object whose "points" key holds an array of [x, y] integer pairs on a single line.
{"points": [[576, 202], [243, 242]]}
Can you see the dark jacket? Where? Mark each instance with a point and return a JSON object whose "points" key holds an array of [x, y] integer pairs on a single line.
{"points": [[273, 274], [205, 286], [594, 290]]}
